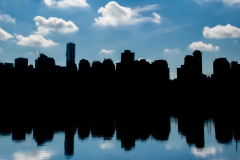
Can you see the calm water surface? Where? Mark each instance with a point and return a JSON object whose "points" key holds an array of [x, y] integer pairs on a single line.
{"points": [[73, 146]]}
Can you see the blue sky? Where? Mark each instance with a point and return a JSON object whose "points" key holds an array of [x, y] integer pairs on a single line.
{"points": [[152, 29]]}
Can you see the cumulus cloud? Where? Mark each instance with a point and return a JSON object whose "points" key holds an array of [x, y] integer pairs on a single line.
{"points": [[66, 3], [203, 46], [220, 31], [113, 15], [45, 26], [105, 51], [4, 35], [7, 18], [34, 41]]}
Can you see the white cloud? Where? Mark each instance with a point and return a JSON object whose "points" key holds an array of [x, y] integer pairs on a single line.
{"points": [[203, 46], [203, 1], [7, 18], [146, 8], [32, 53], [66, 3], [45, 26], [113, 15], [4, 35], [231, 2], [40, 155], [148, 60], [220, 31], [206, 151], [171, 51], [34, 41], [157, 18], [107, 51], [226, 2]]}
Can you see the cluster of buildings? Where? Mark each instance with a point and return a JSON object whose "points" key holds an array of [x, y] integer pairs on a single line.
{"points": [[190, 70]]}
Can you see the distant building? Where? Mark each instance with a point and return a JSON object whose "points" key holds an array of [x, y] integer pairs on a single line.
{"points": [[7, 69], [96, 66], [221, 69], [141, 66], [44, 64], [197, 58], [192, 68], [8, 66], [21, 64], [108, 66], [160, 70], [84, 66], [1, 66], [235, 70], [70, 55], [127, 57], [127, 62]]}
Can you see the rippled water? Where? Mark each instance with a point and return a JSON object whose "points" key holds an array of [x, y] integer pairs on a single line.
{"points": [[179, 144]]}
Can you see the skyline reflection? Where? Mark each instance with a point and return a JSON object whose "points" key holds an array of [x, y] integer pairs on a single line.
{"points": [[117, 139]]}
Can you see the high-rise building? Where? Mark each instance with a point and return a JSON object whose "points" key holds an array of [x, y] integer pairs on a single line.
{"points": [[221, 69], [127, 62], [160, 69], [21, 64], [70, 55], [108, 65], [197, 58], [84, 66], [44, 63], [192, 68], [127, 57]]}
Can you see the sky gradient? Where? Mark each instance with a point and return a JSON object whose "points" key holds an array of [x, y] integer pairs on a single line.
{"points": [[152, 29]]}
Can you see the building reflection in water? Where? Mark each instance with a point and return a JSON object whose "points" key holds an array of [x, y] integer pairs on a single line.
{"points": [[127, 130]]}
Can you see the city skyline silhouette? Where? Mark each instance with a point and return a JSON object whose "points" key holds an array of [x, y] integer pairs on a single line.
{"points": [[130, 83], [147, 79], [191, 68]]}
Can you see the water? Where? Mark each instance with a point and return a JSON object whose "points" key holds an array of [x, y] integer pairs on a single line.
{"points": [[105, 141]]}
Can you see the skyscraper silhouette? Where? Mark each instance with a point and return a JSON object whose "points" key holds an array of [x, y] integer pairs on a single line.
{"points": [[221, 69], [160, 70], [21, 64], [70, 55], [44, 63], [127, 62], [127, 57], [197, 58], [192, 68]]}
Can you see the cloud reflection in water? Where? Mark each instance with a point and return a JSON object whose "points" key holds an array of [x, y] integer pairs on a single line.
{"points": [[206, 151], [38, 155]]}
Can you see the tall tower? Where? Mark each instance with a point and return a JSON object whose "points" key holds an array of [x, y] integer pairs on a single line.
{"points": [[197, 56], [70, 54], [221, 69]]}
